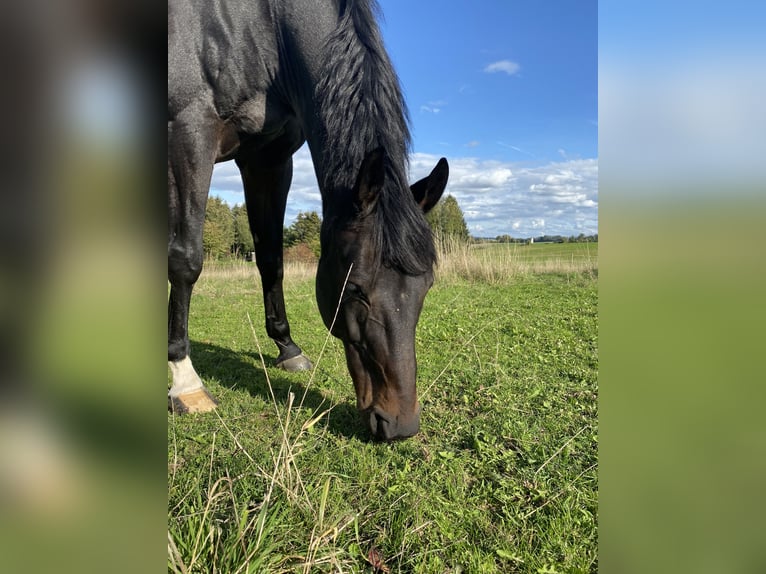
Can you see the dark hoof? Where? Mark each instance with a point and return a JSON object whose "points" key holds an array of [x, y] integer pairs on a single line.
{"points": [[297, 363], [197, 401]]}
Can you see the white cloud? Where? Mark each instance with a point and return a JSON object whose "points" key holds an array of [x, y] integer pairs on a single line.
{"points": [[226, 178], [433, 107], [487, 179], [506, 66], [557, 198], [496, 197]]}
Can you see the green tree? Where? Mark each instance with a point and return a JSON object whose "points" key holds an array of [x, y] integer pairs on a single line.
{"points": [[306, 229], [243, 239], [447, 221], [218, 234]]}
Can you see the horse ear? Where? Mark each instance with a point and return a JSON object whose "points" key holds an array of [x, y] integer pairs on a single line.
{"points": [[370, 180], [429, 190]]}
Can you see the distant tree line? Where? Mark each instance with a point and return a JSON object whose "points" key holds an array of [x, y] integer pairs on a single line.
{"points": [[581, 238], [227, 231]]}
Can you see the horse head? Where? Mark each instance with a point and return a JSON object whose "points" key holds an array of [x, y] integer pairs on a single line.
{"points": [[373, 305]]}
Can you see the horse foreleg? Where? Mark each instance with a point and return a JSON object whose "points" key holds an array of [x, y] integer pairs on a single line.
{"points": [[266, 196], [191, 153]]}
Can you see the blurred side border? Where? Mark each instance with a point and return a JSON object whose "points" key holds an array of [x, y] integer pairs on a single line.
{"points": [[682, 218], [82, 412]]}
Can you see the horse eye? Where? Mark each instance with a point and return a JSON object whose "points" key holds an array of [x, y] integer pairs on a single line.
{"points": [[353, 291]]}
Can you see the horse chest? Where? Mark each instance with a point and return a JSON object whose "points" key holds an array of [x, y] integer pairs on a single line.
{"points": [[260, 123]]}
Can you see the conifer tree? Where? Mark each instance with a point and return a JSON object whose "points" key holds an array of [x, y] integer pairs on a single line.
{"points": [[243, 239], [447, 221], [218, 232]]}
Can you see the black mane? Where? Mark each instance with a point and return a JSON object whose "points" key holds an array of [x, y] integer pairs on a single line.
{"points": [[358, 78]]}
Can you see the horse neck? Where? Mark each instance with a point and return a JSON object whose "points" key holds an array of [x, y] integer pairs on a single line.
{"points": [[341, 121]]}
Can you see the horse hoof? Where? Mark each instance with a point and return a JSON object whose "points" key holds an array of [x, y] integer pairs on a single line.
{"points": [[297, 363], [196, 401]]}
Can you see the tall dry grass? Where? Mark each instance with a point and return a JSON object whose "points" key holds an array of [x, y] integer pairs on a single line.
{"points": [[457, 260], [499, 262], [294, 270]]}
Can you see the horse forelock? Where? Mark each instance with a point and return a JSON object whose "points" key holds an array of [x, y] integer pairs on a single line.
{"points": [[360, 103]]}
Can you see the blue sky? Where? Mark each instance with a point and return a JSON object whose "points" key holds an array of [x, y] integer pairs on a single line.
{"points": [[502, 75], [508, 92], [681, 92]]}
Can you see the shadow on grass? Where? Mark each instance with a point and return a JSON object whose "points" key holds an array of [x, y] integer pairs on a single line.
{"points": [[229, 368]]}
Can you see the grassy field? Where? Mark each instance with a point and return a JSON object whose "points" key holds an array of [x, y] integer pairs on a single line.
{"points": [[498, 262], [502, 477]]}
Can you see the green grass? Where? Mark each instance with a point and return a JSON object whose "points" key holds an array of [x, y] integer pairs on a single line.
{"points": [[502, 477]]}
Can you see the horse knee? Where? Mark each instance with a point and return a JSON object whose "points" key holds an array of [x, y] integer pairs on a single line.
{"points": [[184, 265]]}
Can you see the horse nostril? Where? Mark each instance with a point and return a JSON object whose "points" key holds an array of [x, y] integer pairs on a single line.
{"points": [[380, 426], [409, 426]]}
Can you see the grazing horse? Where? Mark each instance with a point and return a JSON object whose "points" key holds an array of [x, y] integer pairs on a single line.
{"points": [[252, 80]]}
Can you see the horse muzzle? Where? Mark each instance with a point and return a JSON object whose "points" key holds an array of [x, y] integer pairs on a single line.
{"points": [[387, 427]]}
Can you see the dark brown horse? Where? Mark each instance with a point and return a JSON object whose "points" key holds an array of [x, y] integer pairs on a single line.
{"points": [[251, 80]]}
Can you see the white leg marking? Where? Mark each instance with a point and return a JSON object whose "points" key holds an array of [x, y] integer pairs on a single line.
{"points": [[185, 378]]}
